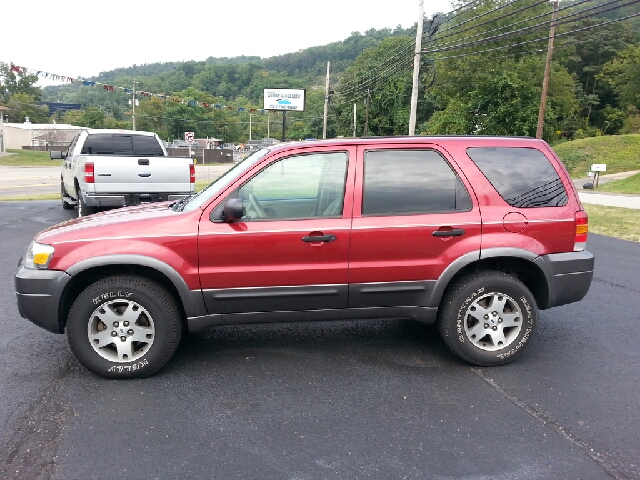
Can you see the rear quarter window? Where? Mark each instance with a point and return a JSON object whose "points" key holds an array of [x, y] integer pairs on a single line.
{"points": [[523, 177]]}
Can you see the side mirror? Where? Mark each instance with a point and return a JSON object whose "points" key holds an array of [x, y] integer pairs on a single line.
{"points": [[56, 155], [233, 210]]}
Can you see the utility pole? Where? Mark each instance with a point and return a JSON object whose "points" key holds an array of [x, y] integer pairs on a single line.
{"points": [[367, 100], [326, 104], [249, 126], [133, 104], [284, 123], [416, 71], [354, 120], [547, 72]]}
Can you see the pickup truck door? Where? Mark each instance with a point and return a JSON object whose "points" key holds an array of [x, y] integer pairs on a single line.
{"points": [[291, 249], [68, 166]]}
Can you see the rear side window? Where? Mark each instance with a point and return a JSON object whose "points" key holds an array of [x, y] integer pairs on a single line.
{"points": [[400, 182], [523, 177], [122, 144]]}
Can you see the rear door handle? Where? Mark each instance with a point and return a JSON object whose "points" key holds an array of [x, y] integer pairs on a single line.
{"points": [[454, 232], [319, 238]]}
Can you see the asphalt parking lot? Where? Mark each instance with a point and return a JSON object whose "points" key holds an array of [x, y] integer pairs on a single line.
{"points": [[377, 400]]}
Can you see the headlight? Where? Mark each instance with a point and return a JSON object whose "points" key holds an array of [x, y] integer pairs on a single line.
{"points": [[38, 256]]}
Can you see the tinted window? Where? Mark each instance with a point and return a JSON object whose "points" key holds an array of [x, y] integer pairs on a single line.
{"points": [[121, 144], [523, 177], [410, 181]]}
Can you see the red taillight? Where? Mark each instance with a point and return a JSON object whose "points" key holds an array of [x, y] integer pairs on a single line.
{"points": [[192, 173], [582, 230], [88, 172]]}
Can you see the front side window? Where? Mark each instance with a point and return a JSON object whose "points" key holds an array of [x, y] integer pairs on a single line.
{"points": [[301, 186], [523, 177], [398, 182]]}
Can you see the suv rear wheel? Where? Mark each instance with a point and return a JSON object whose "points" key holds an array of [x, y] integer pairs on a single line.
{"points": [[488, 318], [124, 327]]}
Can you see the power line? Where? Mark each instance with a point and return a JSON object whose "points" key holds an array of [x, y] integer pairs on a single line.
{"points": [[355, 84], [541, 39], [562, 20], [518, 22]]}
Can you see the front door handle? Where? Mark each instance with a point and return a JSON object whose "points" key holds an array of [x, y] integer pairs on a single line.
{"points": [[319, 238], [454, 232]]}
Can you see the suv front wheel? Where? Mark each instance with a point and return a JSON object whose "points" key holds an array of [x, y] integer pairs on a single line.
{"points": [[124, 327], [488, 318]]}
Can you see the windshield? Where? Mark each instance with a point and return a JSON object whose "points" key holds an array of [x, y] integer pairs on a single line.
{"points": [[215, 187]]}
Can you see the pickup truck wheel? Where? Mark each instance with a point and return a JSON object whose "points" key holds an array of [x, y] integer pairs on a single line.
{"points": [[83, 208], [124, 327], [63, 194], [488, 318]]}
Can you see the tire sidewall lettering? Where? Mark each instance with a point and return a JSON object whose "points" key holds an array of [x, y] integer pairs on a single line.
{"points": [[463, 310], [111, 295]]}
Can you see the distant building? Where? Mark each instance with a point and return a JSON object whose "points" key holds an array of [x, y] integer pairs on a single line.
{"points": [[62, 107], [18, 135]]}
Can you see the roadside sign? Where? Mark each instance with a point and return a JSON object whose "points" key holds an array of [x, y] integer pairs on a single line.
{"points": [[599, 167], [284, 99], [189, 137]]}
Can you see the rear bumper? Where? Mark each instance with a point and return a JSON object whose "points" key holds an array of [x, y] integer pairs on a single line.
{"points": [[38, 294], [129, 199], [568, 275]]}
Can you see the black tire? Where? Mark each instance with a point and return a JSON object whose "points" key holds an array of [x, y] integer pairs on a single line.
{"points": [[488, 318], [63, 194], [134, 324], [83, 208]]}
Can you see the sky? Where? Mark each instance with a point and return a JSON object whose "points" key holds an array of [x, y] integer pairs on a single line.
{"points": [[74, 38]]}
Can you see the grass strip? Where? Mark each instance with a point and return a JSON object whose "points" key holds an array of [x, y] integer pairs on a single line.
{"points": [[616, 222], [621, 153], [626, 185], [29, 158]]}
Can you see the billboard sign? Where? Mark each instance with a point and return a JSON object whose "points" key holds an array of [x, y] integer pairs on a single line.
{"points": [[284, 99]]}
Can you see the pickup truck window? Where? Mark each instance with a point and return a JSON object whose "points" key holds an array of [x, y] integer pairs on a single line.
{"points": [[72, 145], [122, 144], [398, 182]]}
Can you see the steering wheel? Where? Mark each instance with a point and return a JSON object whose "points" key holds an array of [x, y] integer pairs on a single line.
{"points": [[257, 208]]}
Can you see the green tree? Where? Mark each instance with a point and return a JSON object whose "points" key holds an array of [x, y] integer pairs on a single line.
{"points": [[22, 105], [12, 83], [623, 74]]}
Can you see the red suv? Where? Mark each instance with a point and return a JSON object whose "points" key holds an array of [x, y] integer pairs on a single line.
{"points": [[474, 233]]}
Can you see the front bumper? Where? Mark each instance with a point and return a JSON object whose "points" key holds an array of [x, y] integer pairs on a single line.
{"points": [[568, 275], [38, 294]]}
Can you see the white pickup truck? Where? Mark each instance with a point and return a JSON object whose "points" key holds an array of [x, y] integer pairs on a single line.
{"points": [[116, 168]]}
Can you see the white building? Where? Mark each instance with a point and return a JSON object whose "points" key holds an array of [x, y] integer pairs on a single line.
{"points": [[18, 135]]}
